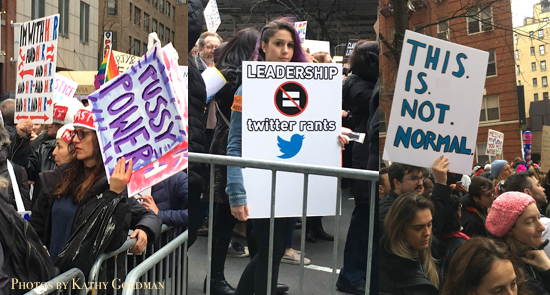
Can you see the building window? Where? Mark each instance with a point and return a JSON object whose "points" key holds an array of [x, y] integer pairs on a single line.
{"points": [[84, 22], [161, 6], [421, 30], [519, 82], [545, 19], [137, 16], [543, 65], [144, 48], [173, 37], [541, 49], [544, 82], [515, 38], [161, 32], [174, 13], [517, 54], [536, 96], [545, 95], [114, 40], [489, 109], [518, 69], [131, 10], [167, 35], [481, 153], [155, 3], [492, 66], [535, 82], [533, 66], [480, 20], [532, 50], [129, 44], [168, 5], [64, 18], [154, 25], [137, 47], [443, 30], [37, 7], [531, 35], [382, 122], [146, 22], [112, 7], [541, 34]]}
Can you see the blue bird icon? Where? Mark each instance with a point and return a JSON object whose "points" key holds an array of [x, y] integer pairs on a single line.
{"points": [[290, 148]]}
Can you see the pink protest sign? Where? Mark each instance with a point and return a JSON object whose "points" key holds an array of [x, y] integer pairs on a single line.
{"points": [[36, 65], [137, 115]]}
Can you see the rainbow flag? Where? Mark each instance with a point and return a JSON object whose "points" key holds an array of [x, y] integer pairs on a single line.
{"points": [[108, 70]]}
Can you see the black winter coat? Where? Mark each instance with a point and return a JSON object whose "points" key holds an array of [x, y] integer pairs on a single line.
{"points": [[41, 159], [537, 281], [19, 148], [170, 197], [7, 192], [471, 222]]}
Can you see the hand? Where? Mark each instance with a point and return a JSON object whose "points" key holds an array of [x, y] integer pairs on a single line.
{"points": [[149, 203], [121, 176], [24, 128], [240, 212], [461, 188], [344, 114], [538, 259], [439, 171], [141, 242], [33, 136], [343, 140], [452, 186]]}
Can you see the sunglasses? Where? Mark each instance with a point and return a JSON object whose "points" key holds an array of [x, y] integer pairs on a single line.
{"points": [[80, 133]]}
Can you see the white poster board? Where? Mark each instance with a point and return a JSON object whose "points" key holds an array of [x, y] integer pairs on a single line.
{"points": [[437, 100], [291, 113], [212, 16], [124, 60], [316, 46], [63, 88], [495, 141], [36, 70]]}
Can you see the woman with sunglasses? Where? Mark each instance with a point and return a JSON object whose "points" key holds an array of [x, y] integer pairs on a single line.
{"points": [[278, 42], [72, 191]]}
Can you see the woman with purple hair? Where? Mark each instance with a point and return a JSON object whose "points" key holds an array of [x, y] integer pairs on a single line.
{"points": [[278, 42]]}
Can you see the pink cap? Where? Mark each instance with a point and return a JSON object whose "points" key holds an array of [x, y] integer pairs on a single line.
{"points": [[505, 210], [84, 118]]}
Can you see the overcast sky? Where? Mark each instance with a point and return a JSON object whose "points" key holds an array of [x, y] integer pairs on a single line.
{"points": [[522, 9]]}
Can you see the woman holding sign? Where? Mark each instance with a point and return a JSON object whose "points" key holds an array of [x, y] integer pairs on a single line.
{"points": [[278, 42]]}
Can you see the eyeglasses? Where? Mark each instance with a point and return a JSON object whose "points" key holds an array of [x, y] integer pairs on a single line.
{"points": [[415, 179], [80, 133]]}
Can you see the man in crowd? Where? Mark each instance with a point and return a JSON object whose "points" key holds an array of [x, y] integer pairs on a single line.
{"points": [[208, 42], [474, 206], [384, 187]]}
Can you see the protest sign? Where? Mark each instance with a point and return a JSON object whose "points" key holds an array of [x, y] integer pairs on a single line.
{"points": [[136, 114], [214, 81], [289, 111], [436, 105], [350, 47], [301, 28], [317, 46], [495, 141], [124, 60], [212, 16], [63, 88], [545, 149], [184, 70], [36, 65]]}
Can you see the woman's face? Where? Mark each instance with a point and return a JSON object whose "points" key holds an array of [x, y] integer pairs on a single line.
{"points": [[280, 47], [501, 279], [83, 144], [506, 171], [418, 232], [528, 228], [61, 152]]}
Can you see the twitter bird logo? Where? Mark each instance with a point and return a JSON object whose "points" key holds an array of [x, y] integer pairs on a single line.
{"points": [[290, 148]]}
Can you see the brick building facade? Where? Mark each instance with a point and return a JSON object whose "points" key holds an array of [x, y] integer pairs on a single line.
{"points": [[488, 27]]}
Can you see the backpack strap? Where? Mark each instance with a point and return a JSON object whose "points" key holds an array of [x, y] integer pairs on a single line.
{"points": [[15, 186]]}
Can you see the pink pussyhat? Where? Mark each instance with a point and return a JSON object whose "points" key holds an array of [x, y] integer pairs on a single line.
{"points": [[505, 210]]}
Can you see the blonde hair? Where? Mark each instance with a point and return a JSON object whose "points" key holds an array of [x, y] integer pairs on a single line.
{"points": [[401, 214]]}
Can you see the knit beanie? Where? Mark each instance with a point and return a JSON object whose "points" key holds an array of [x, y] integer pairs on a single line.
{"points": [[487, 167], [505, 210], [496, 167]]}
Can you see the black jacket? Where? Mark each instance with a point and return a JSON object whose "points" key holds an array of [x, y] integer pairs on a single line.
{"points": [[537, 281], [471, 222], [19, 149], [7, 192], [37, 142], [137, 216], [41, 159]]}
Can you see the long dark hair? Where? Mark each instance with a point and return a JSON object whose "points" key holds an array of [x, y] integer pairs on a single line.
{"points": [[364, 60], [77, 179], [271, 29], [240, 48], [472, 261]]}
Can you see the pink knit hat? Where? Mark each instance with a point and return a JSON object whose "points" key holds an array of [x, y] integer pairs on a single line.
{"points": [[505, 210]]}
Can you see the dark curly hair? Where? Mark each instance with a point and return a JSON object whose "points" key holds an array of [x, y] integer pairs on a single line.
{"points": [[452, 220]]}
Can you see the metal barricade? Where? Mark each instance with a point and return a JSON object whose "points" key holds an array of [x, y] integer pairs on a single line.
{"points": [[306, 171], [178, 274], [61, 282]]}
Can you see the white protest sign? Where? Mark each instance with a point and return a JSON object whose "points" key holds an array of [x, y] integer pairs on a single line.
{"points": [[301, 28], [436, 104], [212, 16], [184, 70], [317, 46], [291, 113], [495, 141], [63, 88], [124, 60], [214, 81], [36, 70], [137, 115]]}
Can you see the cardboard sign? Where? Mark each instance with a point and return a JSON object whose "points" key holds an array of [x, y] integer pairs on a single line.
{"points": [[124, 60], [301, 28], [137, 115], [63, 88], [212, 16], [495, 141], [436, 104], [289, 111], [36, 66], [545, 149]]}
